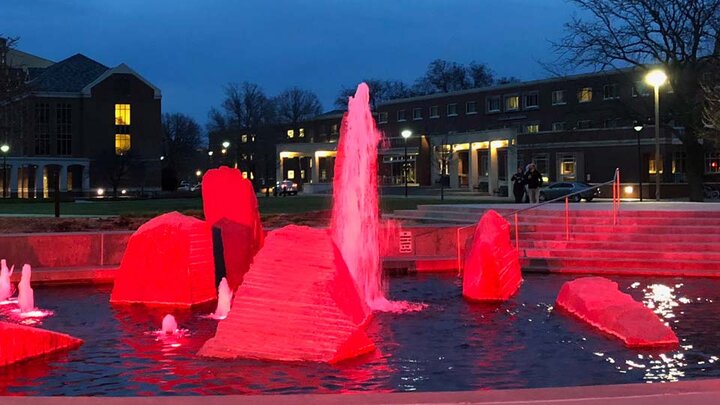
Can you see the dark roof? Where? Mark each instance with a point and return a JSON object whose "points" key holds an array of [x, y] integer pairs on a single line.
{"points": [[69, 75]]}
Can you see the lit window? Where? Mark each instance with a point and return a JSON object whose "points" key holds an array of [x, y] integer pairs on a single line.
{"points": [[532, 128], [512, 103], [382, 118], [401, 115], [290, 133], [531, 100], [558, 97], [243, 138], [417, 113], [301, 132], [291, 174], [122, 143], [610, 92], [558, 126], [651, 166], [245, 175], [471, 107], [493, 104], [122, 114], [452, 110], [585, 95], [434, 112]]}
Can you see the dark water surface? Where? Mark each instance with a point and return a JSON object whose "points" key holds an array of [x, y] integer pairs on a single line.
{"points": [[451, 345]]}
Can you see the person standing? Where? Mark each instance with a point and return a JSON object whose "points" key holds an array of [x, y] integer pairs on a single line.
{"points": [[518, 180], [533, 180]]}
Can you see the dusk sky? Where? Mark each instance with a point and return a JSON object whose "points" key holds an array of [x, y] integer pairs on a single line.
{"points": [[192, 48]]}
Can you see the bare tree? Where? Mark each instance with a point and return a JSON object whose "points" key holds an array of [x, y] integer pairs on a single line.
{"points": [[12, 87], [182, 139], [507, 80], [443, 76], [295, 105], [677, 34], [247, 107], [480, 74], [380, 92]]}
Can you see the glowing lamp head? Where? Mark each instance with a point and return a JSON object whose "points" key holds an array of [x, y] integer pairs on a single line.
{"points": [[628, 189], [5, 148], [162, 157], [224, 151], [198, 173], [210, 153], [226, 144], [638, 127], [656, 78], [123, 191], [406, 133], [101, 191]]}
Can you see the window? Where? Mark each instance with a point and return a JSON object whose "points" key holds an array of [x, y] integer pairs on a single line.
{"points": [[558, 126], [567, 168], [42, 129], [451, 110], [471, 107], [301, 133], [712, 163], [558, 97], [584, 124], [63, 128], [531, 100], [290, 133], [585, 95], [417, 113], [512, 103], [542, 162], [243, 138], [610, 92], [382, 118], [493, 104], [651, 165], [434, 112], [291, 174], [532, 128], [678, 166], [122, 114], [122, 143], [640, 89], [612, 123], [401, 115]]}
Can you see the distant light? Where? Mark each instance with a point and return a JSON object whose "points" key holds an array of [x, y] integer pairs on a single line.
{"points": [[638, 128], [162, 157], [5, 148], [406, 133], [656, 78], [100, 191], [226, 144], [224, 151], [629, 189], [198, 173], [210, 153], [123, 191], [545, 179]]}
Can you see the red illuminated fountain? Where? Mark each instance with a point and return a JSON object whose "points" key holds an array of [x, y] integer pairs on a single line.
{"points": [[297, 303], [599, 302], [168, 261], [492, 267]]}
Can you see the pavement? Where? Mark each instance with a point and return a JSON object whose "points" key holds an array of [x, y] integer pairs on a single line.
{"points": [[605, 205]]}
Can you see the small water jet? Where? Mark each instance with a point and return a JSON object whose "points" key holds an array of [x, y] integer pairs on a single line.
{"points": [[26, 298], [6, 289], [224, 300], [169, 325]]}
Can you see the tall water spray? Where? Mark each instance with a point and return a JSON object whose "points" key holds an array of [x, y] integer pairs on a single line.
{"points": [[26, 298]]}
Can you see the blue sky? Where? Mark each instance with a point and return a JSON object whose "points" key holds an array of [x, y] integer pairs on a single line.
{"points": [[191, 48]]}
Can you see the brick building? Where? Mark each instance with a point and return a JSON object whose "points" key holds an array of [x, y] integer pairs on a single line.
{"points": [[80, 125], [578, 127]]}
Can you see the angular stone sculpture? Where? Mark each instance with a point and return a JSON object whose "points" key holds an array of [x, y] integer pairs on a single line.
{"points": [[598, 302], [231, 208], [492, 267], [19, 343], [168, 261], [298, 302]]}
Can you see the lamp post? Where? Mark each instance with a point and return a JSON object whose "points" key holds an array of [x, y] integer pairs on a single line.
{"points": [[406, 134], [638, 128], [657, 78], [225, 145], [5, 149]]}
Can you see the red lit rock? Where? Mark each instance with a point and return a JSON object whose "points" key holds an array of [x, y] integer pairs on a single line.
{"points": [[298, 302], [599, 302], [492, 268], [239, 245], [19, 343], [168, 261]]}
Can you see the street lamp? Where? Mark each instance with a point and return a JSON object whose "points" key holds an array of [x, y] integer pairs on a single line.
{"points": [[226, 144], [638, 127], [657, 78], [198, 173], [5, 149], [406, 134], [210, 153]]}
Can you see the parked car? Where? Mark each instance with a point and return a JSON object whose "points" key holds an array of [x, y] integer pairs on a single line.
{"points": [[184, 186], [556, 190], [286, 187]]}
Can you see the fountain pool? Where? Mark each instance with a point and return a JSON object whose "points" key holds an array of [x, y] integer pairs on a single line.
{"points": [[451, 345]]}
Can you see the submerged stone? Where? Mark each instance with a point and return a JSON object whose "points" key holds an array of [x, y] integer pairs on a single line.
{"points": [[168, 261], [492, 266], [19, 343], [598, 302], [298, 302]]}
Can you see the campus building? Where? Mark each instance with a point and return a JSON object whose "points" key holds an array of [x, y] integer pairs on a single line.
{"points": [[78, 125], [575, 128]]}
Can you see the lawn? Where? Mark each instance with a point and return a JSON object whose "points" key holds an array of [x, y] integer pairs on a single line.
{"points": [[268, 205]]}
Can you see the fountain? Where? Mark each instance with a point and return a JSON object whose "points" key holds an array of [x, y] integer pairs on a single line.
{"points": [[169, 325], [5, 285], [224, 300], [26, 300]]}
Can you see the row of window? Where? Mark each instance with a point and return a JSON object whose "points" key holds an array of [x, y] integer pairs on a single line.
{"points": [[515, 102], [63, 129]]}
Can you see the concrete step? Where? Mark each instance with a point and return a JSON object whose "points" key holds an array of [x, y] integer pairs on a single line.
{"points": [[623, 271], [559, 211], [70, 275], [646, 245], [557, 263], [677, 236], [656, 255]]}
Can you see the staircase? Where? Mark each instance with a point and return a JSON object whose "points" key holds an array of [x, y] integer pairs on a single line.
{"points": [[645, 240]]}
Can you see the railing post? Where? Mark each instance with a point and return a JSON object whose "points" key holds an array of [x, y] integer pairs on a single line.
{"points": [[567, 219], [517, 240]]}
